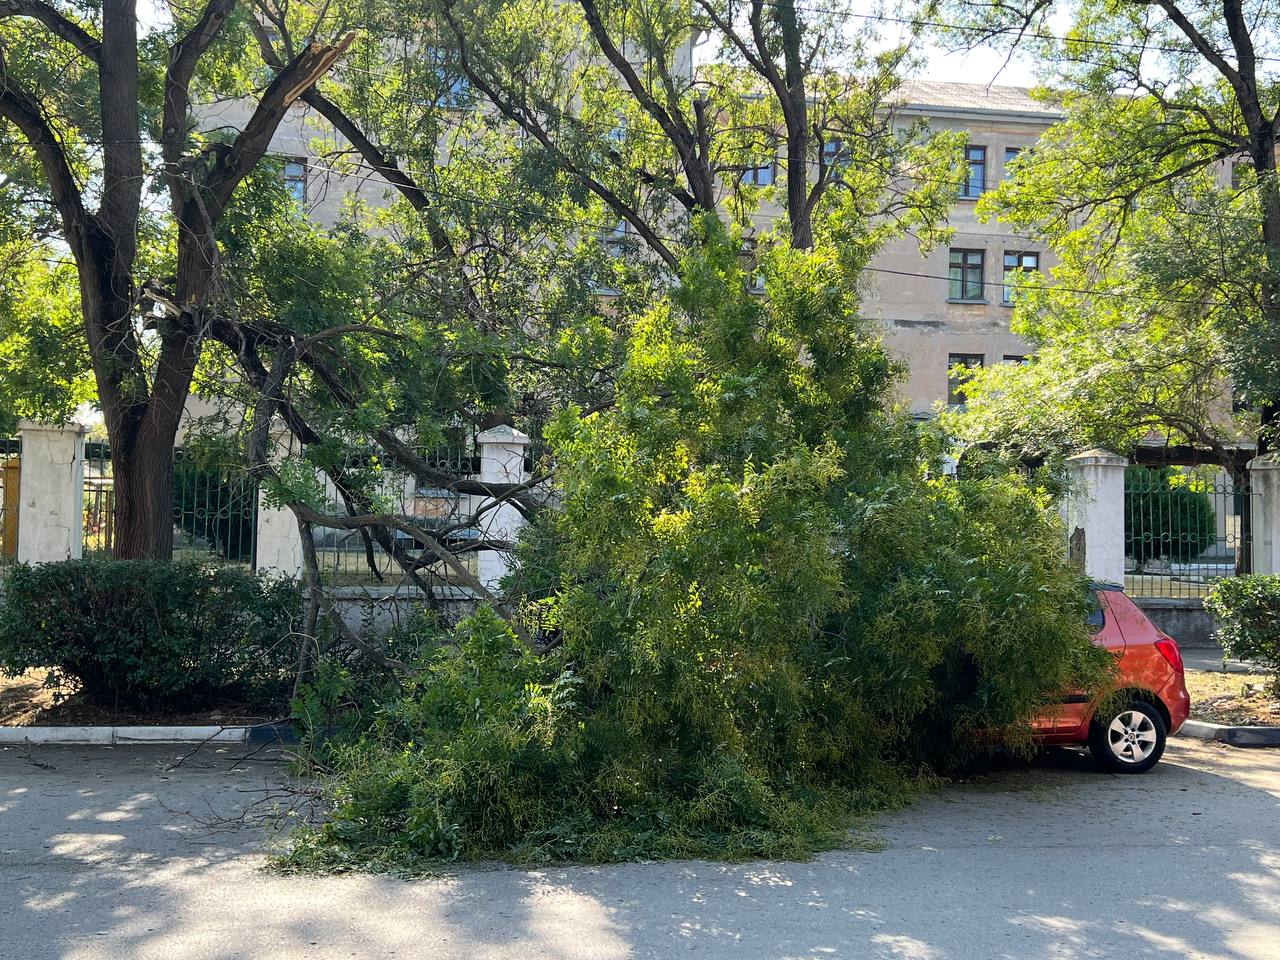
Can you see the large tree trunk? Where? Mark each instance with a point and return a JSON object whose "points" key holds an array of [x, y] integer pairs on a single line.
{"points": [[143, 471]]}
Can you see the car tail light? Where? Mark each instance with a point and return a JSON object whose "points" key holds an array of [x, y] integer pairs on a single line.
{"points": [[1169, 650]]}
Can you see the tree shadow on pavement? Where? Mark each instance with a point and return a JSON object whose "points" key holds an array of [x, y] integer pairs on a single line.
{"points": [[103, 857]]}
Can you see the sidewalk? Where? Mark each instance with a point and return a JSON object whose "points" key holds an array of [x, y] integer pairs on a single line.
{"points": [[1211, 659]]}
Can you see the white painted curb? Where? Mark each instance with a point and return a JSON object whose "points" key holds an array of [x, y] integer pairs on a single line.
{"points": [[110, 735]]}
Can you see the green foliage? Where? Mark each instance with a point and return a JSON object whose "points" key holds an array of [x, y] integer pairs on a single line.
{"points": [[767, 619], [1166, 514], [1139, 340], [140, 635], [1247, 610], [44, 362]]}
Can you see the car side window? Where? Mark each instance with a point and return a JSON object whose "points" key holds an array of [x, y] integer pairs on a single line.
{"points": [[1097, 617]]}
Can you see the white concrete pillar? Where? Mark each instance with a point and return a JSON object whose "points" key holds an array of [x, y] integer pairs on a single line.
{"points": [[1264, 482], [502, 451], [51, 491], [278, 546], [1093, 512]]}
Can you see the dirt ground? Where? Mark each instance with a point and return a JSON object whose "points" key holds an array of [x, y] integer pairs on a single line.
{"points": [[26, 700], [1233, 698]]}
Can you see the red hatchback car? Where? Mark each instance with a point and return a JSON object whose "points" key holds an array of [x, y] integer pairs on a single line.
{"points": [[1129, 735]]}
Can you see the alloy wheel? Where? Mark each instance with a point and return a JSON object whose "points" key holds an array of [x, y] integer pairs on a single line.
{"points": [[1131, 736]]}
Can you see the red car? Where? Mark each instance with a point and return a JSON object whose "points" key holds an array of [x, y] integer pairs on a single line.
{"points": [[1129, 734]]}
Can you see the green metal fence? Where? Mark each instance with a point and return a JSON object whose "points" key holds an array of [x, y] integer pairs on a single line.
{"points": [[10, 459], [346, 557], [1185, 528], [215, 509]]}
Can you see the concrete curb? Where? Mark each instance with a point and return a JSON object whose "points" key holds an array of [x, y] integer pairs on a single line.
{"points": [[1233, 736], [255, 735]]}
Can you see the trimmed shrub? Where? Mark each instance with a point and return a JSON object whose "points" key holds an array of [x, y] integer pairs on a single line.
{"points": [[143, 634], [1248, 614]]}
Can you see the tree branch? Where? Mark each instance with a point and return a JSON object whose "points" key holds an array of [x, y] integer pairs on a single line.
{"points": [[23, 110], [56, 23], [183, 58], [526, 120], [235, 162]]}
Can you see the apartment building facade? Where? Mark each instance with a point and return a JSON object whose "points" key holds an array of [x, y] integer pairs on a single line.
{"points": [[949, 308], [953, 307]]}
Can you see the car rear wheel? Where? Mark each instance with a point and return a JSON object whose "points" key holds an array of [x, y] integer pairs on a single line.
{"points": [[1128, 739]]}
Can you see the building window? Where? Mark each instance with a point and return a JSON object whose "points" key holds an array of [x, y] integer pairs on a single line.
{"points": [[1017, 262], [760, 176], [834, 155], [453, 87], [966, 275], [976, 180], [1010, 154], [294, 174], [615, 240], [1021, 359], [958, 367]]}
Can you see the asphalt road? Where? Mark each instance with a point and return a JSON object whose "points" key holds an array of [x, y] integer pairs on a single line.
{"points": [[105, 854]]}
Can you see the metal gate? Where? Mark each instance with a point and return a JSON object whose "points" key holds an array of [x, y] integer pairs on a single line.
{"points": [[1185, 527], [10, 460]]}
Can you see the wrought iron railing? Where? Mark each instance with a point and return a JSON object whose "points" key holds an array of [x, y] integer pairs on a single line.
{"points": [[346, 557], [1184, 528], [215, 508]]}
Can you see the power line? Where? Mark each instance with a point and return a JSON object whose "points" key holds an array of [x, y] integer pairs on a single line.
{"points": [[599, 226], [604, 226]]}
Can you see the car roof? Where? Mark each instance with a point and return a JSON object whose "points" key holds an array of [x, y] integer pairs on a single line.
{"points": [[1106, 585]]}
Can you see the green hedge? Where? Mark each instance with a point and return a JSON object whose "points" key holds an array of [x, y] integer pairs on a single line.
{"points": [[142, 635], [1248, 614]]}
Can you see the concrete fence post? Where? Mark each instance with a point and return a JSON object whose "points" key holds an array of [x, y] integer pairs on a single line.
{"points": [[278, 546], [1264, 482], [502, 460], [1093, 512], [51, 492]]}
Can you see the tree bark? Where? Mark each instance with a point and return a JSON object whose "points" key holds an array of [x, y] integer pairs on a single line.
{"points": [[143, 472]]}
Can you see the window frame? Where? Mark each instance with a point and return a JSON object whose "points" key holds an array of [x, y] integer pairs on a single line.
{"points": [[975, 156], [967, 360], [751, 176], [963, 293], [1006, 293], [299, 194], [1010, 155], [834, 154]]}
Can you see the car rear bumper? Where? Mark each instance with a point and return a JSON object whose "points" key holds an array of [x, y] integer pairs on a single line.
{"points": [[1177, 701]]}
